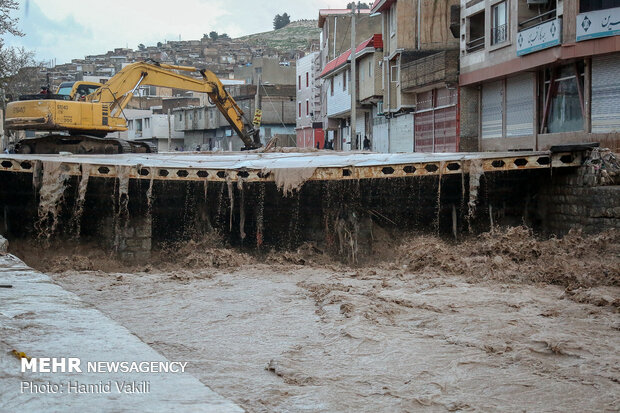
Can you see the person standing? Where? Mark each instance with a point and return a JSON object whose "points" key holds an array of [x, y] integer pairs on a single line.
{"points": [[366, 143]]}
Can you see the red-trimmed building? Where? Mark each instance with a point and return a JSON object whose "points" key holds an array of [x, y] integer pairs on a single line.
{"points": [[335, 27], [336, 75]]}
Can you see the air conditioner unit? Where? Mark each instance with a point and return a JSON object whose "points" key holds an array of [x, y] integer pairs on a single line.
{"points": [[537, 2]]}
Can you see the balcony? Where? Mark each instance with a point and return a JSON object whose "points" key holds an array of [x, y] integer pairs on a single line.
{"points": [[440, 67], [475, 44], [539, 37]]}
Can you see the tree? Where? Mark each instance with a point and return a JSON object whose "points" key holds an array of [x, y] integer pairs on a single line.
{"points": [[213, 35], [22, 74], [281, 21], [358, 6], [224, 36], [141, 47], [8, 24], [11, 59], [159, 44]]}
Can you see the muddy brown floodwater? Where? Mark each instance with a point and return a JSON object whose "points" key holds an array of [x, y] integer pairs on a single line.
{"points": [[500, 322]]}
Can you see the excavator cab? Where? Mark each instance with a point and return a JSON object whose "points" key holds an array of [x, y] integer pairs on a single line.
{"points": [[77, 90]]}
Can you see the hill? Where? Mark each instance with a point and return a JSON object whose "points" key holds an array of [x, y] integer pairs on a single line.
{"points": [[297, 35]]}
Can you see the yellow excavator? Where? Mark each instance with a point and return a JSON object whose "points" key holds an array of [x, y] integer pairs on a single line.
{"points": [[81, 114]]}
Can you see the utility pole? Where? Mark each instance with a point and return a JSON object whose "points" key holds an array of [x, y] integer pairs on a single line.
{"points": [[169, 132], [3, 139], [353, 82]]}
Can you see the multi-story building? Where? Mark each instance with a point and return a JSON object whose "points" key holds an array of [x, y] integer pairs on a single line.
{"points": [[272, 71], [538, 73], [418, 111], [309, 128], [205, 128], [336, 76], [158, 129], [335, 39]]}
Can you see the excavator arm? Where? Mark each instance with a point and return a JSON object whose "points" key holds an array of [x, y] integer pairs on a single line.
{"points": [[101, 112], [119, 90]]}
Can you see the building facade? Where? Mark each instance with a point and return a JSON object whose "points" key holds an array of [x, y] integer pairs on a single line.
{"points": [[335, 40], [206, 129], [539, 73], [336, 76], [419, 70], [309, 128]]}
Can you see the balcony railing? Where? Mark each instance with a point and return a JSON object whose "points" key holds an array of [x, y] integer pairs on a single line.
{"points": [[475, 44], [499, 34], [438, 67]]}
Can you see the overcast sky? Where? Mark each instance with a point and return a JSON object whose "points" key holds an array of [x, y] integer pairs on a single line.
{"points": [[68, 29]]}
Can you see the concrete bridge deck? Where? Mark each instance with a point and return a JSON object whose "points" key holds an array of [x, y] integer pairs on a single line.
{"points": [[260, 167]]}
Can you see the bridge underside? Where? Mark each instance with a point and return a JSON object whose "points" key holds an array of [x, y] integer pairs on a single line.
{"points": [[136, 203]]}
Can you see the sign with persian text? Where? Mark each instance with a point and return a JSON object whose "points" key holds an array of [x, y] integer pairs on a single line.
{"points": [[539, 37], [599, 23]]}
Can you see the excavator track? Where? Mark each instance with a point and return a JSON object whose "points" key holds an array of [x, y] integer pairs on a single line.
{"points": [[81, 144]]}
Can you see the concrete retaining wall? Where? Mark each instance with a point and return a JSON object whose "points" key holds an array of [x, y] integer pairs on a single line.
{"points": [[573, 200]]}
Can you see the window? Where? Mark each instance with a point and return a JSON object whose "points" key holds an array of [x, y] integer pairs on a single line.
{"points": [[344, 81], [307, 79], [475, 32], [299, 107], [299, 83], [499, 33], [138, 125], [307, 108], [370, 68], [394, 73], [563, 109], [180, 117], [392, 20], [331, 81]]}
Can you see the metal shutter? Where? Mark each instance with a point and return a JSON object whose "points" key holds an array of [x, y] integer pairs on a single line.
{"points": [[401, 134], [492, 102], [606, 94], [520, 105]]}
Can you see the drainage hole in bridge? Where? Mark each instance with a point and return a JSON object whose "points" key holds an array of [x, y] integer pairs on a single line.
{"points": [[264, 175], [388, 170], [202, 174], [498, 163], [453, 166], [163, 172], [520, 162], [26, 165], [182, 173], [431, 167], [567, 158], [7, 164], [544, 160], [103, 170], [346, 172], [243, 174], [409, 169], [221, 174], [144, 172]]}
